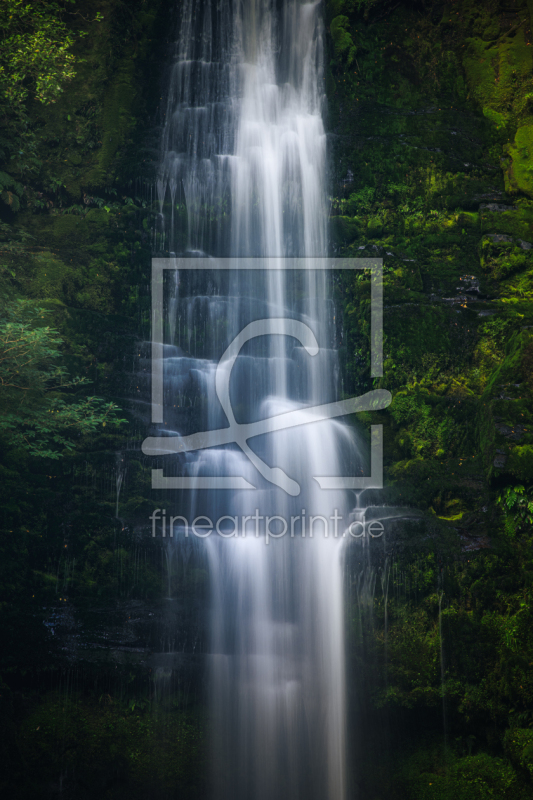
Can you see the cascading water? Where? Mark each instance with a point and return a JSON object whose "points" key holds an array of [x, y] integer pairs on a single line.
{"points": [[244, 152]]}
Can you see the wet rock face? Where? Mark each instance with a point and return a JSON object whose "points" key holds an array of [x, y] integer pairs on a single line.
{"points": [[432, 123], [131, 632], [160, 643], [430, 193]]}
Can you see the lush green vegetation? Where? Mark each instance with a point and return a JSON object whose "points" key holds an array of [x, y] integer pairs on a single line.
{"points": [[430, 107], [35, 414], [74, 259]]}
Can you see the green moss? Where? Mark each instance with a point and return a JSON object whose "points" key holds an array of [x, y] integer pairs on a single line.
{"points": [[342, 39], [69, 228], [51, 277], [513, 370], [516, 222], [519, 172], [116, 122], [498, 75], [496, 117], [345, 229], [83, 139], [503, 259], [480, 63], [520, 463]]}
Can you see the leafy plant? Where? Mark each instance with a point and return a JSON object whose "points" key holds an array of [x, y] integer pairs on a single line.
{"points": [[342, 39], [36, 61], [37, 410], [35, 57], [518, 502]]}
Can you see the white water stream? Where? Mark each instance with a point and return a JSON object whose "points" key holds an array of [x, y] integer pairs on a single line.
{"points": [[244, 152]]}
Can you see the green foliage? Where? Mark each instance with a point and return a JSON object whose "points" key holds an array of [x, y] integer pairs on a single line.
{"points": [[413, 650], [518, 743], [117, 119], [36, 62], [10, 191], [503, 259], [122, 745], [487, 643], [432, 775], [36, 58], [420, 182], [336, 7], [342, 39], [360, 202], [36, 51], [520, 462], [518, 502], [519, 173], [36, 414], [425, 430]]}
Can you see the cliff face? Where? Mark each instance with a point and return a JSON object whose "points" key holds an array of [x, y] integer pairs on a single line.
{"points": [[430, 119], [91, 606], [431, 122]]}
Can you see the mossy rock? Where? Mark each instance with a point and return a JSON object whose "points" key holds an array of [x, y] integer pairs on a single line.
{"points": [[480, 64], [77, 230], [97, 221], [69, 228], [520, 462], [116, 122], [497, 74], [519, 172], [344, 230], [503, 258], [515, 368], [52, 278]]}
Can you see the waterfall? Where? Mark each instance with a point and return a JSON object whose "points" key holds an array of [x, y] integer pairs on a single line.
{"points": [[244, 152]]}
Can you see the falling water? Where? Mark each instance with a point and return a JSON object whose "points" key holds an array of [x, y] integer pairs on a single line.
{"points": [[243, 149], [119, 477], [442, 674], [385, 578]]}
